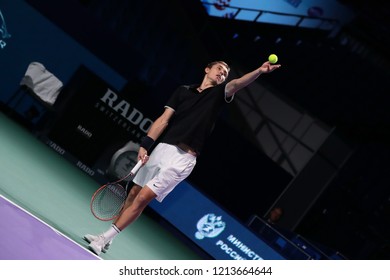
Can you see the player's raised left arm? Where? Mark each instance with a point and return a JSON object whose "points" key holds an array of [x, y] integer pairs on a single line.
{"points": [[236, 84]]}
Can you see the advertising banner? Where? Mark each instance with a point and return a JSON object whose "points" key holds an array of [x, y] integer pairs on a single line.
{"points": [[98, 127]]}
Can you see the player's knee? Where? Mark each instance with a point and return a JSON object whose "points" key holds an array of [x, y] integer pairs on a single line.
{"points": [[143, 198], [134, 191]]}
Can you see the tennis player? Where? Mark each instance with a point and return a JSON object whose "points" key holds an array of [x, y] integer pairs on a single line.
{"points": [[187, 120]]}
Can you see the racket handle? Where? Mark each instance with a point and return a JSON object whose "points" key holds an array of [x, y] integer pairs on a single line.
{"points": [[136, 167]]}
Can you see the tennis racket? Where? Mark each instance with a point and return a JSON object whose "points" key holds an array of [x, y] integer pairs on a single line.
{"points": [[107, 201]]}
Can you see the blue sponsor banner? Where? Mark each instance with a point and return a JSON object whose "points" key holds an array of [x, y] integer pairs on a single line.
{"points": [[210, 227]]}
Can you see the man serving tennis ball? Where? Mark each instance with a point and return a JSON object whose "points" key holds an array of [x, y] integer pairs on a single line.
{"points": [[187, 120]]}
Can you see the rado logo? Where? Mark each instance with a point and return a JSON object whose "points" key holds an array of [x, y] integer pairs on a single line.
{"points": [[56, 147], [123, 107], [84, 131], [85, 168]]}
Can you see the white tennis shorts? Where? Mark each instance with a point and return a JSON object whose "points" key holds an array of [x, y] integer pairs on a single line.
{"points": [[167, 166]]}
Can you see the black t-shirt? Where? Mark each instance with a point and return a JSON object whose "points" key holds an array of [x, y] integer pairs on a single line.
{"points": [[195, 115]]}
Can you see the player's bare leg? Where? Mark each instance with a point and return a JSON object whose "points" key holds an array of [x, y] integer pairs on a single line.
{"points": [[128, 215], [130, 198], [131, 213]]}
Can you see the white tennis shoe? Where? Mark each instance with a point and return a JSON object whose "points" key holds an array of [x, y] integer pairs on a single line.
{"points": [[91, 238], [97, 246]]}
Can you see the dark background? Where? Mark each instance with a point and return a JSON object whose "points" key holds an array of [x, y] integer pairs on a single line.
{"points": [[342, 80]]}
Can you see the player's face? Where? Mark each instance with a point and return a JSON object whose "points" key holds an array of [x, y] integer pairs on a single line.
{"points": [[218, 73]]}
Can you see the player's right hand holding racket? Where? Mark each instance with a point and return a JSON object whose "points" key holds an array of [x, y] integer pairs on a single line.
{"points": [[107, 201]]}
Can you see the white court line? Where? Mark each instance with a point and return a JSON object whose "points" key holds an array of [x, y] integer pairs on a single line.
{"points": [[49, 226]]}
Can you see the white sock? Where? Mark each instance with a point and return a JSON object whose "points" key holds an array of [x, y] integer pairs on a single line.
{"points": [[111, 233]]}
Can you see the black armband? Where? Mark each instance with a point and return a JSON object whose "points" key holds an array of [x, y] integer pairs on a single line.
{"points": [[147, 142]]}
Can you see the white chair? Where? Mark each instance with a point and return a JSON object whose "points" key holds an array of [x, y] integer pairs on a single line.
{"points": [[39, 83]]}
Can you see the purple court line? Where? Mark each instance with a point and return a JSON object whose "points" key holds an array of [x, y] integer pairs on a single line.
{"points": [[25, 237]]}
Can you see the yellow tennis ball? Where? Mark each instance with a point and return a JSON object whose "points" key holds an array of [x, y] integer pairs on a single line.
{"points": [[273, 58]]}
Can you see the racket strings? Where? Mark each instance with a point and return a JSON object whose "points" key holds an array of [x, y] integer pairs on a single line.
{"points": [[108, 201]]}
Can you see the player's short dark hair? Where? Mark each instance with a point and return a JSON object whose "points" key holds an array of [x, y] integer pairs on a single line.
{"points": [[211, 64]]}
